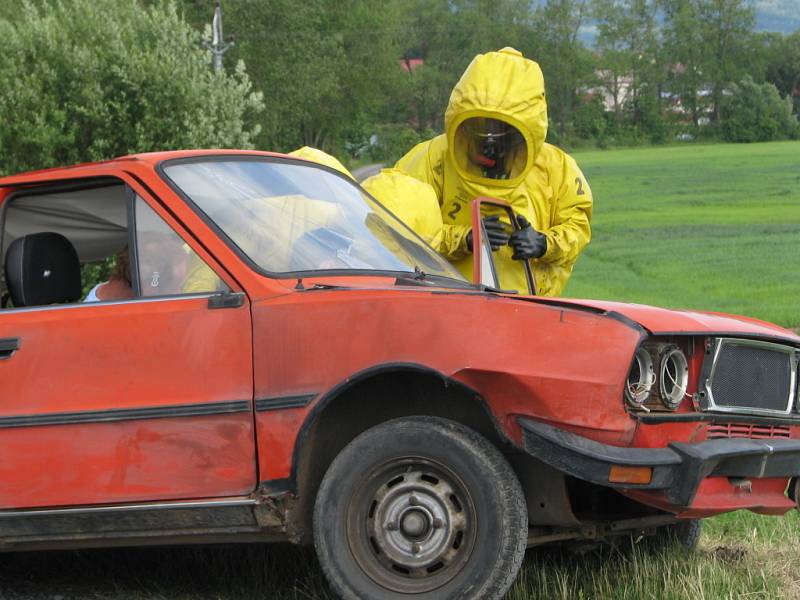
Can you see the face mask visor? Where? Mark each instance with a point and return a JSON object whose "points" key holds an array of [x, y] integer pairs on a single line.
{"points": [[490, 148]]}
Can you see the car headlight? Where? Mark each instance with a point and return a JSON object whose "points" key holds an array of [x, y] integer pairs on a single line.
{"points": [[640, 379], [673, 375]]}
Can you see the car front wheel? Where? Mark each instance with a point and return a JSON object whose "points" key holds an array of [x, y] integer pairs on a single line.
{"points": [[421, 507], [684, 536]]}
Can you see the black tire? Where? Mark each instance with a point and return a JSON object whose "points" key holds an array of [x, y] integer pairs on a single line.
{"points": [[420, 507], [684, 535]]}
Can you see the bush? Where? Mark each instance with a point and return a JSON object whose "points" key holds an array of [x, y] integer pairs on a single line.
{"points": [[87, 80], [590, 121], [756, 112], [393, 141]]}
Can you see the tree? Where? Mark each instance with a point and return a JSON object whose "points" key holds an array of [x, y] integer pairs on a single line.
{"points": [[447, 35], [567, 65], [757, 113], [630, 68], [87, 80], [707, 42], [782, 64], [329, 70], [728, 33]]}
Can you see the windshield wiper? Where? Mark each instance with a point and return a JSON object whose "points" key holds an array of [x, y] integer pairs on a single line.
{"points": [[487, 288], [419, 274]]}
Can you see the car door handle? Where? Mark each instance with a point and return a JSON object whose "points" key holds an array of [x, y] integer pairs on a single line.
{"points": [[226, 300], [8, 346]]}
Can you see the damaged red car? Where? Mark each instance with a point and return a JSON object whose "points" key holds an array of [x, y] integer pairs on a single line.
{"points": [[288, 361]]}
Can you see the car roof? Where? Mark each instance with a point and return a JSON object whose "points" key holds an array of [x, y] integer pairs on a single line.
{"points": [[149, 158]]}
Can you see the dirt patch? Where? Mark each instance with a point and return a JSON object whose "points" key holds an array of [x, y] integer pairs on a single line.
{"points": [[729, 554]]}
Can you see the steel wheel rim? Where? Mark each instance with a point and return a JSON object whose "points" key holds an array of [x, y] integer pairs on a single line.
{"points": [[411, 525]]}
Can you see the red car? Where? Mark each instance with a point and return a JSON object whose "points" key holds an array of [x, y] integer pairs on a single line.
{"points": [[287, 361]]}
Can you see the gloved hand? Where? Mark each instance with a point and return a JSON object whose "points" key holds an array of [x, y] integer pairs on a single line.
{"points": [[527, 242], [495, 230]]}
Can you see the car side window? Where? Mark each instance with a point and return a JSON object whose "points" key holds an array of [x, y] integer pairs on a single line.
{"points": [[166, 264]]}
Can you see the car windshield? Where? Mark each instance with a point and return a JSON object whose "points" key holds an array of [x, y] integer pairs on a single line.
{"points": [[291, 219]]}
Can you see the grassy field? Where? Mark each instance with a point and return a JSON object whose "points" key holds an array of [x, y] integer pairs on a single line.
{"points": [[740, 556], [712, 227], [706, 227]]}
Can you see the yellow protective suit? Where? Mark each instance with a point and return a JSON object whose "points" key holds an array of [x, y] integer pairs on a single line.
{"points": [[322, 158], [545, 184], [413, 202], [271, 231]]}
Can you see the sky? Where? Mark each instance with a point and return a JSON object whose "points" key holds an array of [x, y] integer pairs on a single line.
{"points": [[778, 15], [782, 16]]}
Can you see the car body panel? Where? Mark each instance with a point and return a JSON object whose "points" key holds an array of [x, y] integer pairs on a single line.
{"points": [[662, 321], [110, 357], [315, 351]]}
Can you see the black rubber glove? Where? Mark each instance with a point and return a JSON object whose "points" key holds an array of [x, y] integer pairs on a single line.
{"points": [[527, 242], [496, 232]]}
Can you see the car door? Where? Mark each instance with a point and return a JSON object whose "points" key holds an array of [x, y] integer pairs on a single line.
{"points": [[135, 400]]}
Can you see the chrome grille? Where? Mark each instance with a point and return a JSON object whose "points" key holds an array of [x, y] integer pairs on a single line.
{"points": [[748, 376]]}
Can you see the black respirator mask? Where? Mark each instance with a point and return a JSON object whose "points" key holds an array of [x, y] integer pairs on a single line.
{"points": [[492, 145]]}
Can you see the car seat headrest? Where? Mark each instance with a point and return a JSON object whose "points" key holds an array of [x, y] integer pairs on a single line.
{"points": [[42, 268]]}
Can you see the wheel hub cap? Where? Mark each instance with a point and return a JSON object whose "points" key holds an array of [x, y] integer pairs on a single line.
{"points": [[417, 523]]}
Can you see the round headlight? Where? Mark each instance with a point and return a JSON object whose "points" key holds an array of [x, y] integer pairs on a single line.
{"points": [[640, 379], [673, 376]]}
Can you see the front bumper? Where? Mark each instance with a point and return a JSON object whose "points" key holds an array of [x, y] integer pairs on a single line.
{"points": [[678, 470]]}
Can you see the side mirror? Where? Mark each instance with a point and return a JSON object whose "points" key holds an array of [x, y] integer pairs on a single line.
{"points": [[484, 271]]}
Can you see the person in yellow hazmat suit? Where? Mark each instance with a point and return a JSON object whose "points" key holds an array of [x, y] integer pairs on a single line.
{"points": [[410, 200], [413, 202], [493, 145], [321, 157]]}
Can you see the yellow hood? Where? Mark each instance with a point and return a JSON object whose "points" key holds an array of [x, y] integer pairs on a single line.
{"points": [[500, 85], [323, 158]]}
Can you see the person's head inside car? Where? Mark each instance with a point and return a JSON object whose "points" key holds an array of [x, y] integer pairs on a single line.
{"points": [[163, 264]]}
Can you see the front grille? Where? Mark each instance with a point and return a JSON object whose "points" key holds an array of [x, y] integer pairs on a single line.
{"points": [[745, 430], [749, 377]]}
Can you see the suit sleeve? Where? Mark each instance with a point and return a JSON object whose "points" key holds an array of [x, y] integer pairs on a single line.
{"points": [[571, 229], [425, 163]]}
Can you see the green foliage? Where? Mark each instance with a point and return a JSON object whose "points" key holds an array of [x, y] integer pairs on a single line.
{"points": [[781, 63], [756, 113], [331, 72], [710, 41], [552, 39], [94, 273], [393, 141], [87, 80], [328, 70]]}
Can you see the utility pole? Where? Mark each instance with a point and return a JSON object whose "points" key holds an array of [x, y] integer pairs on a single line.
{"points": [[218, 46]]}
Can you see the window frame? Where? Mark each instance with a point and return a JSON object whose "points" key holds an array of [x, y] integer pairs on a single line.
{"points": [[132, 190]]}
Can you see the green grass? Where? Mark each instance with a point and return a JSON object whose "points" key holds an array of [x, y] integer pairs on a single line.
{"points": [[740, 556], [703, 227]]}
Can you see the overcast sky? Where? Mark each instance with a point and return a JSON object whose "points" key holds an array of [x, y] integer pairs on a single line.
{"points": [[771, 15], [778, 15]]}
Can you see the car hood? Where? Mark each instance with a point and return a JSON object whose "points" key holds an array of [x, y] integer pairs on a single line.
{"points": [[663, 321]]}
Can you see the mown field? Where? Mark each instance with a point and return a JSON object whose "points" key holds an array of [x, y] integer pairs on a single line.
{"points": [[711, 227], [708, 227]]}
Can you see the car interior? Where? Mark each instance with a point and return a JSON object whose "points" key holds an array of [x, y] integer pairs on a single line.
{"points": [[60, 244]]}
